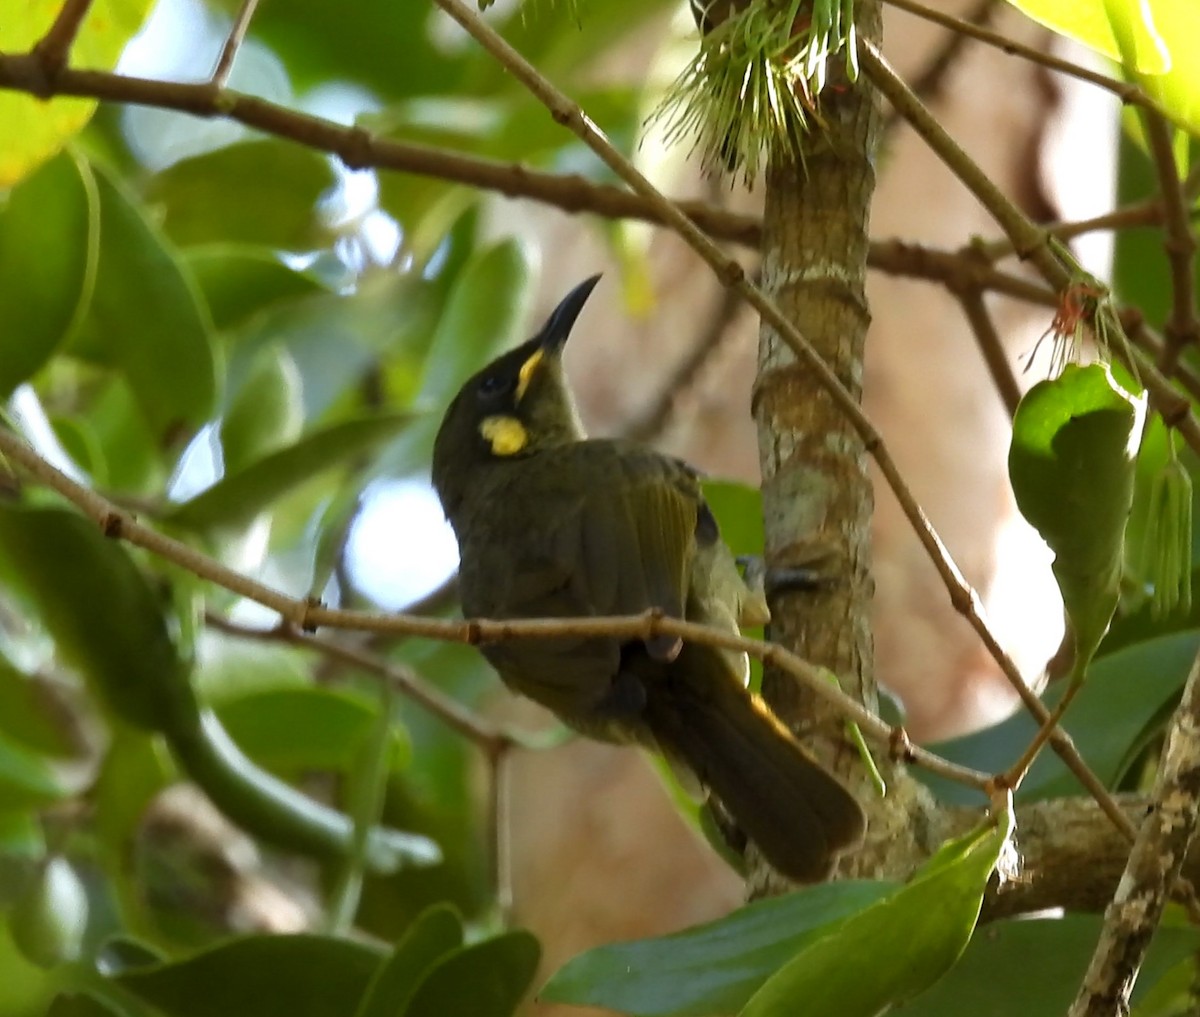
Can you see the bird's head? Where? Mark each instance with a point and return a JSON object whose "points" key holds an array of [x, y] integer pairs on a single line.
{"points": [[518, 404]]}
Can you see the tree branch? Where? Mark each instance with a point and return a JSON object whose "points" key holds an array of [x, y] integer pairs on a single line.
{"points": [[1153, 867], [991, 349]]}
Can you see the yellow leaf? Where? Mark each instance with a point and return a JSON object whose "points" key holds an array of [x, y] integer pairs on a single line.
{"points": [[33, 130]]}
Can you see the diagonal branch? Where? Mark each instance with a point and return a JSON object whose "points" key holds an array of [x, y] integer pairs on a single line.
{"points": [[1153, 867]]}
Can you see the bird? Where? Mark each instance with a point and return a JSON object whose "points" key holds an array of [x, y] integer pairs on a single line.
{"points": [[552, 524]]}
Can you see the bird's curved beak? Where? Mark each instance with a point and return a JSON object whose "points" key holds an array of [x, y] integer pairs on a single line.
{"points": [[556, 331], [554, 334]]}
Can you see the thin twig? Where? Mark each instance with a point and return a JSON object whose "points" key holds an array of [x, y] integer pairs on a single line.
{"points": [[406, 681], [651, 422], [233, 42], [1153, 867], [303, 616], [928, 84], [992, 350], [53, 49], [1181, 329], [1123, 90]]}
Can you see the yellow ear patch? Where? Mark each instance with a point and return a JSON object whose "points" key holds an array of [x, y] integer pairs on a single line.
{"points": [[507, 435], [527, 371]]}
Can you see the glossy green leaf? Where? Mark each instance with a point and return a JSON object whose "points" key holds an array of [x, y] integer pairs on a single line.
{"points": [[713, 968], [32, 131], [98, 607], [263, 192], [238, 280], [1125, 691], [435, 932], [896, 948], [487, 979], [26, 779], [1033, 967], [45, 284], [1153, 39], [276, 812], [312, 728], [35, 716], [1072, 466], [267, 976], [1112, 27], [241, 495], [147, 318], [356, 43], [266, 413]]}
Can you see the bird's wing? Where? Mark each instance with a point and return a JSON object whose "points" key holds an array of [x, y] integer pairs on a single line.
{"points": [[626, 546]]}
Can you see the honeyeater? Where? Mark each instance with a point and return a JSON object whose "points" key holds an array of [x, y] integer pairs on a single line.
{"points": [[551, 524]]}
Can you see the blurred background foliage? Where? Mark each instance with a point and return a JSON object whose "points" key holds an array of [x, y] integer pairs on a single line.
{"points": [[249, 346]]}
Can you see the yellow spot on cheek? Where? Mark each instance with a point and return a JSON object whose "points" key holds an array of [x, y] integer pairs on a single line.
{"points": [[527, 370], [507, 435]]}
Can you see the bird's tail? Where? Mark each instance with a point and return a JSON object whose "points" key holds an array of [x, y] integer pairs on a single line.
{"points": [[800, 816]]}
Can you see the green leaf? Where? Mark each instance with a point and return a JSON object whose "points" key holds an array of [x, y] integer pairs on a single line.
{"points": [[45, 284], [34, 716], [1153, 39], [267, 976], [1115, 28], [240, 496], [1109, 717], [357, 42], [713, 968], [98, 607], [1033, 967], [147, 318], [32, 130], [266, 413], [276, 812], [313, 728], [263, 192], [1072, 467], [238, 280], [487, 979], [435, 933], [26, 780], [896, 948]]}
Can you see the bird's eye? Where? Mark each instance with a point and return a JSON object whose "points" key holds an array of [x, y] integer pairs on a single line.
{"points": [[493, 385]]}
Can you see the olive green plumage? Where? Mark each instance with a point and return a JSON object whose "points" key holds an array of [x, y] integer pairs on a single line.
{"points": [[551, 524]]}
